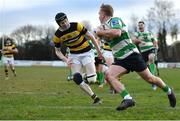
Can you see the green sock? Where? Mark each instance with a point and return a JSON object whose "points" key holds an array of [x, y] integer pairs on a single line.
{"points": [[101, 77], [98, 76], [152, 68], [70, 76], [166, 89], [124, 93]]}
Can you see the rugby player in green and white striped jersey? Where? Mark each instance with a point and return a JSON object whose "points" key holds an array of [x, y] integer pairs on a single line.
{"points": [[148, 46], [126, 57]]}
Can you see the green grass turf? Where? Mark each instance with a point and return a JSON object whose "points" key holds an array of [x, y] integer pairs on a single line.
{"points": [[43, 93]]}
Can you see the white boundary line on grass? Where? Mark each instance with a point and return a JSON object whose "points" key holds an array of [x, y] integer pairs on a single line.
{"points": [[58, 93]]}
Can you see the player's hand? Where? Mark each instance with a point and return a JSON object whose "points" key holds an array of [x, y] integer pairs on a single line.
{"points": [[100, 56], [69, 62], [98, 30]]}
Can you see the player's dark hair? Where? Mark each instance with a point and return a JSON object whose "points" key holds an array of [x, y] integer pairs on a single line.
{"points": [[141, 22]]}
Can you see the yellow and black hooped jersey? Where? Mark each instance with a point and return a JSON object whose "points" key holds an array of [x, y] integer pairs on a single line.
{"points": [[8, 46], [74, 38], [106, 46]]}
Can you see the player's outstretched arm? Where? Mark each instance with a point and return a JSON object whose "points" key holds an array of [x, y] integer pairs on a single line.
{"points": [[60, 55], [93, 39]]}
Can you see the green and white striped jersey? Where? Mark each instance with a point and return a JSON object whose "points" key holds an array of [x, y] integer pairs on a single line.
{"points": [[147, 39], [121, 46]]}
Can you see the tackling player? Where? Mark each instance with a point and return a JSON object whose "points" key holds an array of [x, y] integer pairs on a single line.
{"points": [[74, 35]]}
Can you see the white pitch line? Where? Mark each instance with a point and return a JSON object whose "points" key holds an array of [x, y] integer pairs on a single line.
{"points": [[59, 93]]}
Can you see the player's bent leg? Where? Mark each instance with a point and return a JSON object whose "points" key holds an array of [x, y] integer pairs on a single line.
{"points": [[5, 63], [152, 67], [77, 77], [13, 69], [109, 61], [146, 75], [76, 68], [151, 58], [100, 75], [111, 76], [91, 72], [6, 71]]}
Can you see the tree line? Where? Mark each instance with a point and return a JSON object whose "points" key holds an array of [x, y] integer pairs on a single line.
{"points": [[35, 42]]}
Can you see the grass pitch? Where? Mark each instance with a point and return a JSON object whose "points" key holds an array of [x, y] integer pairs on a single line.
{"points": [[43, 93]]}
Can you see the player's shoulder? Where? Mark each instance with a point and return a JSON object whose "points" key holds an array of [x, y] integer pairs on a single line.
{"points": [[112, 19], [73, 24], [149, 33], [116, 21], [58, 33]]}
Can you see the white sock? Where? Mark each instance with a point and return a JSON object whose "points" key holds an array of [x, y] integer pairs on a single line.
{"points": [[128, 97], [169, 91], [85, 87]]}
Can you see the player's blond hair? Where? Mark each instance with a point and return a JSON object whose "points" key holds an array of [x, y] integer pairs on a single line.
{"points": [[107, 9]]}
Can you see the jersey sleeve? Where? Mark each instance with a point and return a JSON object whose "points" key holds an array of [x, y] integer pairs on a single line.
{"points": [[13, 44], [116, 23], [57, 40], [81, 29]]}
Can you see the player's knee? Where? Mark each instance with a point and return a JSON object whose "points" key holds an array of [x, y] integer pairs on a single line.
{"points": [[6, 70], [91, 78], [151, 58], [77, 78]]}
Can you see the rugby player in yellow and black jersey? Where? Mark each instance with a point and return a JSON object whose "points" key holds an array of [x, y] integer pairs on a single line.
{"points": [[8, 52], [75, 36], [107, 53]]}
